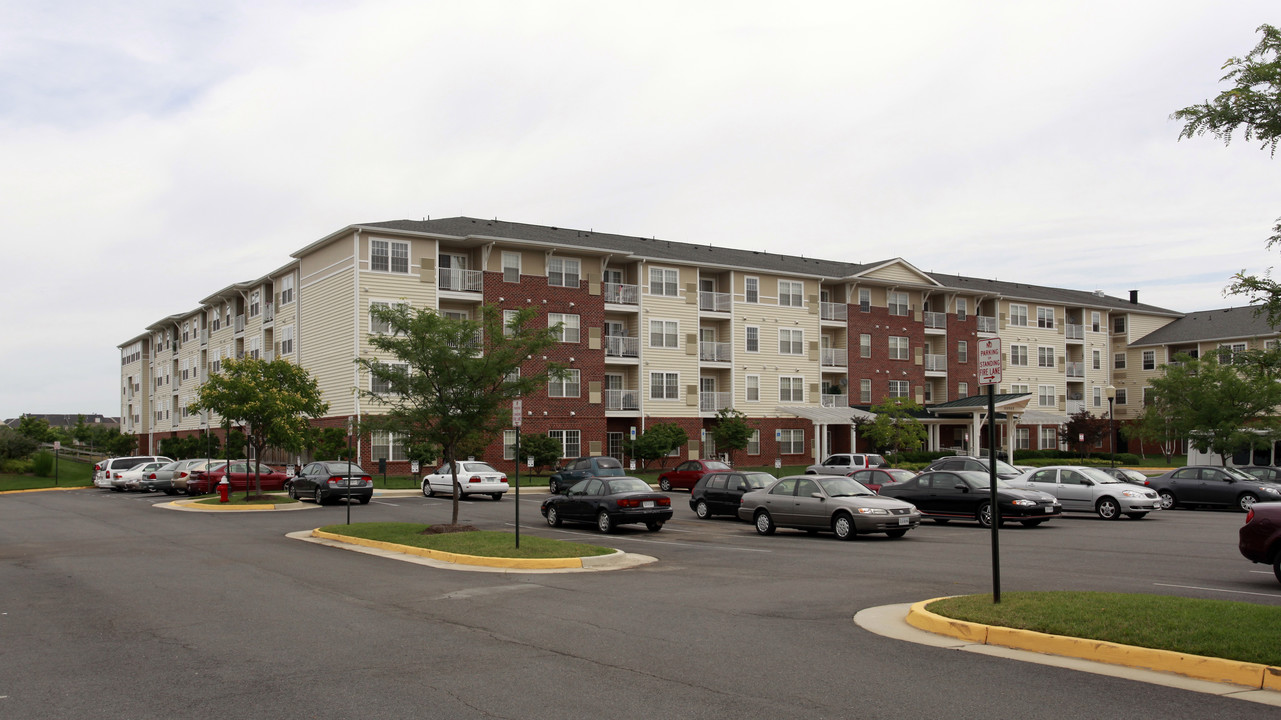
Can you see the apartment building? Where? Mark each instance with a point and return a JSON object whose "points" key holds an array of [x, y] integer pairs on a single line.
{"points": [[656, 331]]}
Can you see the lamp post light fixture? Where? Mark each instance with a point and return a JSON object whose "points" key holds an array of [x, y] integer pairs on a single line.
{"points": [[1110, 392]]}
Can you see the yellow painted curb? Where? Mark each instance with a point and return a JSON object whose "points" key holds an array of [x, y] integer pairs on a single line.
{"points": [[27, 490], [1251, 675], [521, 563]]}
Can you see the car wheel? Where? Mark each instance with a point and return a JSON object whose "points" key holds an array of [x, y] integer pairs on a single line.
{"points": [[664, 484], [553, 486], [843, 526], [654, 526], [553, 517], [427, 491], [1276, 567], [1032, 523], [1247, 501], [1167, 500], [319, 497], [896, 533], [1108, 509], [701, 510], [293, 492], [496, 496], [1136, 516], [604, 522], [764, 523], [940, 521], [984, 515]]}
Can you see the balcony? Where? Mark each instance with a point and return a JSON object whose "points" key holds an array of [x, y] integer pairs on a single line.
{"points": [[1073, 407], [834, 401], [936, 363], [987, 324], [1075, 332], [620, 346], [710, 402], [270, 314], [460, 280], [1076, 370], [835, 357], [714, 351], [620, 294], [204, 337], [713, 301], [240, 323], [935, 320], [622, 399], [832, 311]]}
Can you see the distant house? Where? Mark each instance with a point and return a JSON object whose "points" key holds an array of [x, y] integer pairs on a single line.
{"points": [[69, 421]]}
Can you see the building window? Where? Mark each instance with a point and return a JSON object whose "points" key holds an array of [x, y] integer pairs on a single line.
{"points": [[962, 351], [899, 349], [1118, 324], [791, 342], [663, 281], [255, 303], [509, 316], [563, 272], [1019, 388], [389, 446], [751, 289], [1118, 361], [664, 386], [509, 444], [568, 332], [570, 442], [791, 389], [1098, 397], [1045, 396], [287, 340], [897, 302], [1045, 357], [388, 256], [1096, 359], [664, 333], [1149, 359], [1045, 318], [790, 293], [753, 385], [1049, 438], [377, 326], [962, 390], [1023, 438], [754, 443], [1095, 322], [865, 391], [865, 345], [962, 309], [511, 267], [899, 388], [1018, 315], [383, 386], [864, 300], [753, 338], [1121, 396], [791, 442], [564, 387], [1018, 355], [286, 289]]}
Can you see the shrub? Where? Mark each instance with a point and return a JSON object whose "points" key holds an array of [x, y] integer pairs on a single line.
{"points": [[11, 466], [42, 463]]}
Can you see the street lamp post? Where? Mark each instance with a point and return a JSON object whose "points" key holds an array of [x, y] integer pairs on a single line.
{"points": [[1110, 391]]}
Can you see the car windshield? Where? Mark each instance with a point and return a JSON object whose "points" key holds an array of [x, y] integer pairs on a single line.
{"points": [[843, 487], [758, 480], [716, 465], [340, 468], [1239, 474], [1099, 476], [978, 481], [626, 485], [1004, 468], [477, 467], [901, 475]]}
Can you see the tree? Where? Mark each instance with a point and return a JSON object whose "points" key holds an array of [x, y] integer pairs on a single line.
{"points": [[1084, 430], [1154, 425], [731, 431], [329, 444], [545, 450], [1219, 406], [14, 445], [35, 428], [895, 428], [1253, 106], [458, 377], [658, 442], [273, 400]]}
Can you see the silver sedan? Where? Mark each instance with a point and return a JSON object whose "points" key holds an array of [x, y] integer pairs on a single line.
{"points": [[1088, 489], [826, 503]]}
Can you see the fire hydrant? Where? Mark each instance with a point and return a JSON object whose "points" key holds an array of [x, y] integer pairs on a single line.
{"points": [[224, 490]]}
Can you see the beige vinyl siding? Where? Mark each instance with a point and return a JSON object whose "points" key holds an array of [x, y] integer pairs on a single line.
{"points": [[898, 273], [323, 337], [678, 360], [1141, 325]]}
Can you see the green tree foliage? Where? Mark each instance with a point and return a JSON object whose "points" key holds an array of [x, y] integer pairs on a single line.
{"points": [[658, 442], [895, 429], [1082, 424], [273, 400], [1220, 402], [731, 431], [14, 445], [330, 444], [545, 450], [462, 374], [42, 464], [1252, 106], [35, 428]]}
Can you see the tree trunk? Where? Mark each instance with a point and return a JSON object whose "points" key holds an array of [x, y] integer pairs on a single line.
{"points": [[453, 475]]}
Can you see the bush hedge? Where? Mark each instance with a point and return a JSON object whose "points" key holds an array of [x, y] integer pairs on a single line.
{"points": [[42, 464]]}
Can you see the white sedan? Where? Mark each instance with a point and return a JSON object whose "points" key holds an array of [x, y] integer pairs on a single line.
{"points": [[474, 478], [131, 479]]}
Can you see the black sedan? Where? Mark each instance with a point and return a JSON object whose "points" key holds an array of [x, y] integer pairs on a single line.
{"points": [[609, 502], [719, 493], [964, 495], [1212, 485], [325, 481]]}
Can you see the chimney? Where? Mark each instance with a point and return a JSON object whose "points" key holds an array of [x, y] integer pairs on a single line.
{"points": [[1134, 297]]}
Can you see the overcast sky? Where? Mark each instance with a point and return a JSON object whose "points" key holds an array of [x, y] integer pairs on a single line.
{"points": [[155, 152]]}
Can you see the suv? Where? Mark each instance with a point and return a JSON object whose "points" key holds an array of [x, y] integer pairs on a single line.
{"points": [[1004, 470], [719, 493], [110, 469], [1259, 540], [846, 463], [583, 468]]}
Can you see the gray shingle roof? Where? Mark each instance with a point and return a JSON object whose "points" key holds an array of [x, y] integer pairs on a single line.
{"points": [[1209, 325]]}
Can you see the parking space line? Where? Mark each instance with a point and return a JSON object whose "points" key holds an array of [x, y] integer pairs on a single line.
{"points": [[577, 533], [1223, 590]]}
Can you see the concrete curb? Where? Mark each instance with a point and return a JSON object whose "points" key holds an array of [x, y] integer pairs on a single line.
{"points": [[193, 506], [1219, 670], [52, 489]]}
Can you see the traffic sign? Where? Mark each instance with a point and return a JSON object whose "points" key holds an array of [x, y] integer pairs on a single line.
{"points": [[516, 413], [989, 361]]}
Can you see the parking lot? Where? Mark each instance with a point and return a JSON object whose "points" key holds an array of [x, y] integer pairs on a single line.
{"points": [[114, 608]]}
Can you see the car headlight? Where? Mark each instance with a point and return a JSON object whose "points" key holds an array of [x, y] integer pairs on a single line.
{"points": [[1024, 503], [873, 511], [1131, 493], [1270, 491]]}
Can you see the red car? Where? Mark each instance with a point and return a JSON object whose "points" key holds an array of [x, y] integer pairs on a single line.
{"points": [[686, 474], [1260, 537], [240, 478], [873, 479]]}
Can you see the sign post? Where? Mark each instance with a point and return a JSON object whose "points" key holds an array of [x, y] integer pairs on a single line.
{"points": [[517, 412], [989, 373]]}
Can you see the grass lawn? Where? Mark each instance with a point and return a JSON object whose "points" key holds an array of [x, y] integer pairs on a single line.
{"points": [[1214, 628], [484, 543], [71, 473], [239, 499]]}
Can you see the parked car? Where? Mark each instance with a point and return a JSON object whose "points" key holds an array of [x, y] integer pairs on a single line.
{"points": [[964, 495], [239, 474], [1263, 472], [582, 468], [1212, 485], [1127, 474], [831, 503], [171, 478], [685, 475], [719, 493], [1004, 470], [609, 502], [187, 469], [876, 478], [474, 478], [1259, 539], [129, 479], [846, 463], [330, 480], [104, 472], [1089, 489]]}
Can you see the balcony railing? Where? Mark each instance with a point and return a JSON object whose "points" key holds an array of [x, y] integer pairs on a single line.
{"points": [[240, 323], [835, 357], [622, 399], [619, 346], [1074, 406], [1076, 369], [832, 311], [935, 363], [204, 337], [270, 314], [1075, 332], [987, 324], [834, 400], [622, 294], [460, 280], [713, 301], [935, 320], [714, 351], [713, 401]]}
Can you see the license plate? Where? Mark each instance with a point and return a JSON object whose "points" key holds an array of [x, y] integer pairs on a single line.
{"points": [[904, 521], [647, 503], [1049, 509]]}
